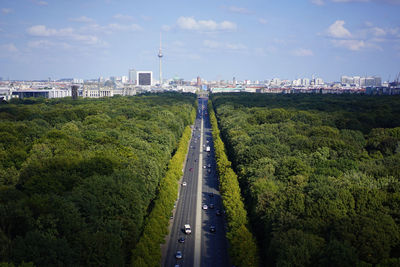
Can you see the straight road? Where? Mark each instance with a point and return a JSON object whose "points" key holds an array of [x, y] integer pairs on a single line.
{"points": [[201, 247]]}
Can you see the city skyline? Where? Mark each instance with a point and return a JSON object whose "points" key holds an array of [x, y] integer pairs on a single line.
{"points": [[212, 39]]}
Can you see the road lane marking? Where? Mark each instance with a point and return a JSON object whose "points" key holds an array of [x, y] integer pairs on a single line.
{"points": [[197, 240]]}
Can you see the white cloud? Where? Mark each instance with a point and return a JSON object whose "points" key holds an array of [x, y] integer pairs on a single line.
{"points": [[6, 10], [190, 23], [65, 33], [240, 10], [41, 30], [337, 30], [376, 31], [318, 2], [82, 19], [122, 27], [262, 21], [354, 45], [46, 44], [227, 46], [122, 17], [348, 1], [302, 52], [11, 48]]}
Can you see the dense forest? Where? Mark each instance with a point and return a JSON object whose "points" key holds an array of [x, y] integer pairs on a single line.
{"points": [[319, 174], [78, 178]]}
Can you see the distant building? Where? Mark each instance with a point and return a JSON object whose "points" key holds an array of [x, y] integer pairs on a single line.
{"points": [[144, 78], [361, 81], [132, 76], [198, 83]]}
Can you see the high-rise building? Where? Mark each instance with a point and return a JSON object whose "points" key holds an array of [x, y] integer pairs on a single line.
{"points": [[347, 80], [144, 77], [319, 81], [132, 76], [198, 82]]}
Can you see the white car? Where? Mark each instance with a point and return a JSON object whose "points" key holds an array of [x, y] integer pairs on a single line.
{"points": [[187, 229], [205, 207], [184, 184]]}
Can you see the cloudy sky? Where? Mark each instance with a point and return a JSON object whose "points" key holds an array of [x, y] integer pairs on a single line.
{"points": [[253, 39]]}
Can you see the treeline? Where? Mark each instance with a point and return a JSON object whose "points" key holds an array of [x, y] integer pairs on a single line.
{"points": [[242, 245], [320, 175], [78, 178]]}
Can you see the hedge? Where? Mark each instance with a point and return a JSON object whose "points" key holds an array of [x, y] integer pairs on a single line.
{"points": [[242, 246]]}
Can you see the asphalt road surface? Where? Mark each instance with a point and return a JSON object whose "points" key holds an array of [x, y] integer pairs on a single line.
{"points": [[202, 247]]}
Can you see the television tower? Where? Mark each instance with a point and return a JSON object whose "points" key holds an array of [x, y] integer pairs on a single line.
{"points": [[160, 55]]}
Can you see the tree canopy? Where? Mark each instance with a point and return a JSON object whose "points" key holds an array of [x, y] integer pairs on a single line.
{"points": [[320, 175], [78, 178]]}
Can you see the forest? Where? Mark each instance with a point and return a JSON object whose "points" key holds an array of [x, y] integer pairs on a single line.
{"points": [[79, 178], [319, 175]]}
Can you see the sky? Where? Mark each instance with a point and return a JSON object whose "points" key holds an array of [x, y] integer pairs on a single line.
{"points": [[216, 40]]}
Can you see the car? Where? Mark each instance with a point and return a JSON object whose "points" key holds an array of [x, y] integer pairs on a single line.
{"points": [[184, 184], [178, 254], [209, 165], [209, 171], [211, 205], [181, 240], [191, 169], [204, 166], [211, 194], [187, 229], [218, 213], [205, 207], [212, 229]]}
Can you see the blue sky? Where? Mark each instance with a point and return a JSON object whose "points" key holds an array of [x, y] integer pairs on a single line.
{"points": [[214, 39]]}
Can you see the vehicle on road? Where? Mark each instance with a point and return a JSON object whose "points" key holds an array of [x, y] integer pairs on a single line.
{"points": [[218, 213], [211, 194], [209, 165], [208, 149], [205, 207], [184, 184], [212, 229], [178, 254], [211, 206], [187, 229], [181, 240]]}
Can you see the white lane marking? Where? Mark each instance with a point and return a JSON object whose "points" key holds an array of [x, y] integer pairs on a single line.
{"points": [[197, 241]]}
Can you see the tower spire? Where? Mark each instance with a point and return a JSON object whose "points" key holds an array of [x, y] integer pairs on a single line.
{"points": [[160, 55]]}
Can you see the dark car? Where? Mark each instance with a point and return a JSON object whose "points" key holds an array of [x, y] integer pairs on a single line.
{"points": [[211, 205], [181, 240], [178, 254], [218, 212], [212, 229], [210, 194]]}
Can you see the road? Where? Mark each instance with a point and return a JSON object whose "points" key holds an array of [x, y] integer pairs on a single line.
{"points": [[201, 247]]}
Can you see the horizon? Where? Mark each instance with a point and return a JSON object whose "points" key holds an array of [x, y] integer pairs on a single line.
{"points": [[216, 40]]}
